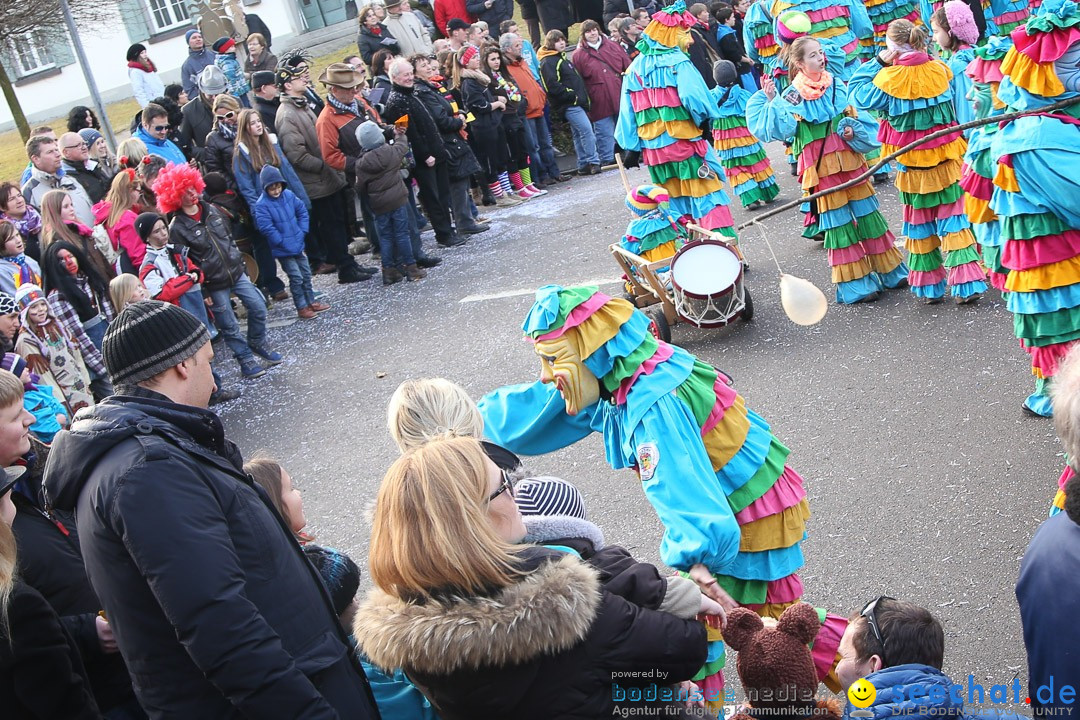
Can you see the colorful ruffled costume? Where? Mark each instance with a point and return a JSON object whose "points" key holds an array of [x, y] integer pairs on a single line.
{"points": [[980, 165], [710, 466], [917, 99], [665, 102], [748, 168], [1036, 186], [1008, 15], [654, 234], [860, 246]]}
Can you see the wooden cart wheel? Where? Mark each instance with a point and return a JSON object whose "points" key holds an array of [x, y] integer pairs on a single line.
{"points": [[658, 324]]}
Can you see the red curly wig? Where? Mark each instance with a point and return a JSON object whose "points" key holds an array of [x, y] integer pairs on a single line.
{"points": [[171, 184]]}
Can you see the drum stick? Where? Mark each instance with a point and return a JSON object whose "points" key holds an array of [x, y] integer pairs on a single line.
{"points": [[622, 173]]}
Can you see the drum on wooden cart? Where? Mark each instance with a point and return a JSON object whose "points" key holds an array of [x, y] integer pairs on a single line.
{"points": [[702, 284]]}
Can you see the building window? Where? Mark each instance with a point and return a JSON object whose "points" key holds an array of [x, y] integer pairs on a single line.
{"points": [[168, 14], [31, 50]]}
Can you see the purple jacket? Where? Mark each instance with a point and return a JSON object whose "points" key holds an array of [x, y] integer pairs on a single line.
{"points": [[602, 70]]}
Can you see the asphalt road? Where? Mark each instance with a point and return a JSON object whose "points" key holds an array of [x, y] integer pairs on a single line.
{"points": [[926, 481]]}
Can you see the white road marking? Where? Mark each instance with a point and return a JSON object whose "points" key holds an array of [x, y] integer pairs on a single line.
{"points": [[529, 291]]}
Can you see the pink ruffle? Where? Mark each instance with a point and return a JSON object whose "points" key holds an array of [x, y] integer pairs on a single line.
{"points": [[828, 13], [849, 254], [997, 279], [765, 41], [786, 492], [740, 131], [876, 246], [831, 181], [663, 352], [1046, 358], [968, 272], [655, 97], [1046, 47], [677, 19], [888, 134], [718, 217], [1066, 475], [785, 590], [1048, 249], [712, 687], [985, 71], [976, 185], [831, 143], [1011, 17], [757, 167], [675, 152], [725, 398], [827, 643], [577, 316], [919, 216], [922, 278], [851, 45]]}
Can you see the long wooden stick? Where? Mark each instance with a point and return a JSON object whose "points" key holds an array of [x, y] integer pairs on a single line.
{"points": [[622, 173], [1059, 105]]}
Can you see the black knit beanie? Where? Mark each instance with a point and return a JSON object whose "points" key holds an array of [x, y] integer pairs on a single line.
{"points": [[148, 338], [144, 224]]}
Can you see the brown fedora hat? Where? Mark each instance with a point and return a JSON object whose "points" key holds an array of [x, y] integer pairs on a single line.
{"points": [[341, 75]]}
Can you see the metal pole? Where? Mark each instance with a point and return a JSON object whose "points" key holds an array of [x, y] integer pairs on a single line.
{"points": [[91, 85]]}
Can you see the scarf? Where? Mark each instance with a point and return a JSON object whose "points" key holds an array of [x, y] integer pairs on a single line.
{"points": [[812, 89], [353, 107], [227, 131], [901, 48], [513, 94], [30, 224], [147, 68]]}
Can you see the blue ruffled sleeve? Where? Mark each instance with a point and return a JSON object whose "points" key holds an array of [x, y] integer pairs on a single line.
{"points": [[678, 480], [860, 19], [863, 93], [626, 133], [531, 419], [695, 95], [770, 120]]}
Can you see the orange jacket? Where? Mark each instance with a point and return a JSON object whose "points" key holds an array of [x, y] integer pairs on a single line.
{"points": [[535, 96]]}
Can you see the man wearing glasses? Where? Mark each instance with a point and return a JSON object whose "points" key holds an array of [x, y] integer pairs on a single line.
{"points": [[77, 163], [154, 132]]}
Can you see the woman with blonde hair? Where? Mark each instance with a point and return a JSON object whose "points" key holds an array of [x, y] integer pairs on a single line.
{"points": [[218, 154], [431, 408], [489, 628], [130, 152], [59, 223], [117, 213]]}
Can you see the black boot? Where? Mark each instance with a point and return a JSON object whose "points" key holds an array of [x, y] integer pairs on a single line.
{"points": [[453, 241], [352, 273], [428, 261]]}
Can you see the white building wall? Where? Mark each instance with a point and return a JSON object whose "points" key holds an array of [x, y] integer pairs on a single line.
{"points": [[105, 46]]}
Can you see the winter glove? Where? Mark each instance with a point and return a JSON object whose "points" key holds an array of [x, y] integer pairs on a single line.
{"points": [[631, 159]]}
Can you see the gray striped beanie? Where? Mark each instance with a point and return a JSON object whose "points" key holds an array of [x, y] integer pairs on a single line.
{"points": [[547, 496], [148, 338]]}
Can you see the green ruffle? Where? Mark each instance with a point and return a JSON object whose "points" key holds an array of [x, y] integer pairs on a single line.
{"points": [[711, 668], [992, 258], [744, 592], [1051, 339], [730, 122], [1049, 21], [727, 232], [759, 193], [760, 30], [842, 237], [956, 258], [1029, 227], [872, 226], [984, 164], [807, 132], [1045, 325], [920, 201], [625, 367], [682, 169], [698, 391], [837, 22], [924, 262], [569, 299], [665, 113], [763, 479], [924, 118], [658, 238], [744, 160]]}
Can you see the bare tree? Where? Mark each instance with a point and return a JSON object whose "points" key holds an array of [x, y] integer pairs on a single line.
{"points": [[20, 17]]}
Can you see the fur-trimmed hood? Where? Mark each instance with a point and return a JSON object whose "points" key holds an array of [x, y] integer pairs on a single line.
{"points": [[542, 529], [548, 611]]}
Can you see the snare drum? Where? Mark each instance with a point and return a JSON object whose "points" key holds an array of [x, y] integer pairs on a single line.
{"points": [[707, 282]]}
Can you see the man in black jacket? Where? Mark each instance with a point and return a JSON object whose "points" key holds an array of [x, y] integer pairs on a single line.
{"points": [[428, 148], [199, 112], [216, 610], [265, 90], [77, 164]]}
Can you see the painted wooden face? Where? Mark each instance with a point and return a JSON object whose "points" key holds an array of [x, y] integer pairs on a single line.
{"points": [[560, 364]]}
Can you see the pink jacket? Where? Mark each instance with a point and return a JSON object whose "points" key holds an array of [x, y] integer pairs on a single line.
{"points": [[123, 233]]}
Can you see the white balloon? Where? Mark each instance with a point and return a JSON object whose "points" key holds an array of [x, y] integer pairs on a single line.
{"points": [[802, 301]]}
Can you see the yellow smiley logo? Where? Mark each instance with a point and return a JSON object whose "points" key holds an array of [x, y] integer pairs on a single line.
{"points": [[862, 693]]}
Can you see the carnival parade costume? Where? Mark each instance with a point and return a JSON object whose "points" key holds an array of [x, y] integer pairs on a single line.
{"points": [[748, 168], [710, 466], [1036, 184], [916, 97], [664, 104], [860, 246], [654, 233]]}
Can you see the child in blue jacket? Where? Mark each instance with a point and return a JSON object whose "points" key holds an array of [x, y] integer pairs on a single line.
{"points": [[50, 417], [283, 220]]}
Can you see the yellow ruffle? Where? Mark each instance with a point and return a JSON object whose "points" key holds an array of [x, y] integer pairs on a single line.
{"points": [[602, 325], [667, 35], [1036, 78], [768, 51], [978, 210], [775, 531], [661, 252], [1059, 500], [923, 246], [929, 157], [957, 240], [887, 261], [832, 681], [929, 180], [831, 164], [830, 32], [1059, 274], [694, 187], [774, 610], [914, 82], [1005, 178], [841, 198], [726, 439], [740, 141], [678, 129], [851, 271]]}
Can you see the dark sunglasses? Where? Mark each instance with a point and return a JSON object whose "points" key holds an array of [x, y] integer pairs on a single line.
{"points": [[160, 128], [504, 486], [868, 612], [227, 116]]}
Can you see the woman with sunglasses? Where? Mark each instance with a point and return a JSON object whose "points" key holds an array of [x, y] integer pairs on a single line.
{"points": [[218, 152], [486, 627]]}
